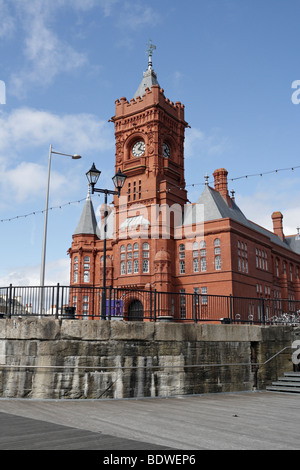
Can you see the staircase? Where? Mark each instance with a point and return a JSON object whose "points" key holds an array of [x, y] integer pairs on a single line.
{"points": [[289, 383]]}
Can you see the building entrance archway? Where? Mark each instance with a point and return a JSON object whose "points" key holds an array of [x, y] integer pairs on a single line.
{"points": [[135, 311]]}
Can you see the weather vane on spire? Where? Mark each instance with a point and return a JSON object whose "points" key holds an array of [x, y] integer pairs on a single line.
{"points": [[149, 51]]}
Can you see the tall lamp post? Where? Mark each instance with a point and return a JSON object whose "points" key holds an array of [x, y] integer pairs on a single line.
{"points": [[118, 180], [43, 262]]}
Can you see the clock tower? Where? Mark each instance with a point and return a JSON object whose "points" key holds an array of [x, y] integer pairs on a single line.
{"points": [[149, 136]]}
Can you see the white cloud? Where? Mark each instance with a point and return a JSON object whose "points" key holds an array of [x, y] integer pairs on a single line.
{"points": [[56, 271], [7, 24], [272, 196], [28, 127], [45, 53], [138, 15], [198, 143], [25, 131]]}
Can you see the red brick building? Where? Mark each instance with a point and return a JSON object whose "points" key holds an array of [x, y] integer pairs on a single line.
{"points": [[157, 239]]}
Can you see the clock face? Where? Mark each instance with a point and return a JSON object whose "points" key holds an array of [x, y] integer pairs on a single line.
{"points": [[166, 150], [138, 149]]}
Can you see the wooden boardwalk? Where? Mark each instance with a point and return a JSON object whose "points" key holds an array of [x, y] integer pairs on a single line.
{"points": [[237, 421]]}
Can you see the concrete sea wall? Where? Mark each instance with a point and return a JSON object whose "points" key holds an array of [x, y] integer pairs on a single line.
{"points": [[48, 358]]}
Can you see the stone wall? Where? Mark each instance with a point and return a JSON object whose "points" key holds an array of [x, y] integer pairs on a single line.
{"points": [[51, 358]]}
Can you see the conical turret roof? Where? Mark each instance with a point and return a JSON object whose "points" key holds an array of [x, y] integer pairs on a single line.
{"points": [[87, 224]]}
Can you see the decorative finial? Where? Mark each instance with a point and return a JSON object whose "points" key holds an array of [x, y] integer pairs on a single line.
{"points": [[206, 179], [232, 194], [149, 51]]}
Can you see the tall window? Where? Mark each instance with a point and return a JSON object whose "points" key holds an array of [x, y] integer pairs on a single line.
{"points": [[75, 269], [145, 265], [136, 266], [75, 302], [181, 259], [203, 255], [203, 295], [129, 267], [277, 267], [136, 250], [181, 267], [195, 257], [146, 255], [217, 254], [261, 259], [85, 306], [243, 257], [86, 269], [146, 248], [123, 270]]}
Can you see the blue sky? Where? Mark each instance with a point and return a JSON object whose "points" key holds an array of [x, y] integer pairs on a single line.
{"points": [[65, 62]]}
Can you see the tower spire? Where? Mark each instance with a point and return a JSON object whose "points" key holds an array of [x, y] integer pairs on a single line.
{"points": [[150, 49], [149, 77]]}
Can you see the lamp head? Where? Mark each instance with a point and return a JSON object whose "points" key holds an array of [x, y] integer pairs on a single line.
{"points": [[93, 175], [119, 180]]}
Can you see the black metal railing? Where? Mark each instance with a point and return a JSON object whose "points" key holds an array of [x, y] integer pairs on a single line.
{"points": [[132, 304]]}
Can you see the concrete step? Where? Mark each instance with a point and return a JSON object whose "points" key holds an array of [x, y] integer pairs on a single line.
{"points": [[290, 382]]}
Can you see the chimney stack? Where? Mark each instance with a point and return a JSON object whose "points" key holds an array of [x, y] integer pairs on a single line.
{"points": [[277, 218], [220, 176]]}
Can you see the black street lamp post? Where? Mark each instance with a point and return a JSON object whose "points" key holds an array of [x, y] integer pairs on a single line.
{"points": [[118, 180]]}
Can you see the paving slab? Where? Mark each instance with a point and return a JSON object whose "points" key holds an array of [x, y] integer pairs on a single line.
{"points": [[233, 421]]}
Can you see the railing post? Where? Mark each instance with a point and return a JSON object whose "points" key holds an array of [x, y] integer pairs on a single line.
{"points": [[9, 300], [195, 306], [57, 300], [109, 304], [230, 307], [154, 316], [263, 320]]}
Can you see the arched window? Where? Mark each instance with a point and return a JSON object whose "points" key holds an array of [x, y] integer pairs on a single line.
{"points": [[195, 250], [146, 250], [136, 250], [217, 245]]}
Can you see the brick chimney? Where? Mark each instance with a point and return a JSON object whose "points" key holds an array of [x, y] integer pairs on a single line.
{"points": [[220, 176], [277, 224]]}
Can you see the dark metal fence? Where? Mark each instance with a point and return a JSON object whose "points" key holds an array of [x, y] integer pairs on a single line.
{"points": [[144, 305]]}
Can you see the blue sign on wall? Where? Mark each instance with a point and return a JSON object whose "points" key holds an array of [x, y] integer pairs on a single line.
{"points": [[116, 309]]}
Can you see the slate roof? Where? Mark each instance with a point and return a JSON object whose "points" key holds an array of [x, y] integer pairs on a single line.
{"points": [[87, 224], [149, 79], [215, 207]]}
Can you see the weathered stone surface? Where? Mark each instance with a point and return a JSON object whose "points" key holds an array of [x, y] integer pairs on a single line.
{"points": [[51, 358]]}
